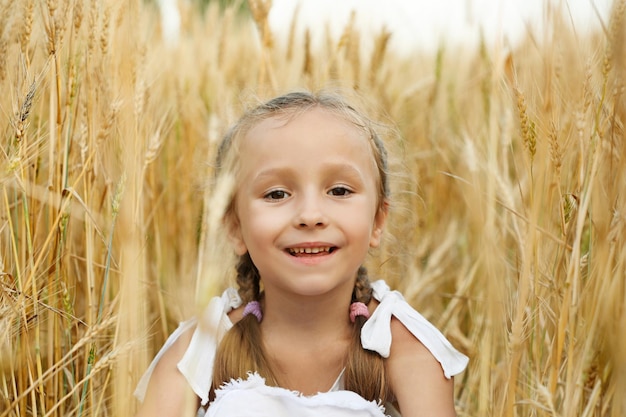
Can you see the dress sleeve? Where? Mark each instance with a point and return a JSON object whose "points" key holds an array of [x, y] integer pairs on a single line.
{"points": [[376, 332], [196, 364]]}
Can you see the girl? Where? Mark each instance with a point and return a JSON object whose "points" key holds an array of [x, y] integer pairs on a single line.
{"points": [[306, 333]]}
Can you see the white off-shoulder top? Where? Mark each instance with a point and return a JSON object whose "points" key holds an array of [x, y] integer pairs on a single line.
{"points": [[197, 362]]}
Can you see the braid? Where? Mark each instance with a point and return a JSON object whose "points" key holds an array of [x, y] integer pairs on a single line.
{"points": [[248, 279], [241, 350], [365, 369], [362, 288]]}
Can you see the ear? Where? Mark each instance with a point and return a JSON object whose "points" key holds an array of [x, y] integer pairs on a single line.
{"points": [[233, 228], [379, 224]]}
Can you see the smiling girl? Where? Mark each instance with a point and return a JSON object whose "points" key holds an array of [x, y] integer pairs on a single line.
{"points": [[306, 332]]}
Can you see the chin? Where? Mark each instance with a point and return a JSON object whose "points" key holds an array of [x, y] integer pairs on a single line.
{"points": [[322, 287]]}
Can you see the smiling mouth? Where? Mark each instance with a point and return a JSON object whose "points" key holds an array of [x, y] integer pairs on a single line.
{"points": [[322, 250]]}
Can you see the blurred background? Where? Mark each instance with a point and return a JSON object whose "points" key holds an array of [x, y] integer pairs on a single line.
{"points": [[426, 25], [504, 119]]}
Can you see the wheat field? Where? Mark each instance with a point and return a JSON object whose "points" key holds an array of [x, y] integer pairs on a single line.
{"points": [[508, 226]]}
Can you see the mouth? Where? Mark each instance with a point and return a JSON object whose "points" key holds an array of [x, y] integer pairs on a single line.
{"points": [[312, 251]]}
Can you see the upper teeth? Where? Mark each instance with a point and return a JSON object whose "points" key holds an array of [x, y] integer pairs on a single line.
{"points": [[309, 250]]}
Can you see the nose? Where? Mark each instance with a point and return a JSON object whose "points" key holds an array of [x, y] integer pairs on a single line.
{"points": [[311, 212]]}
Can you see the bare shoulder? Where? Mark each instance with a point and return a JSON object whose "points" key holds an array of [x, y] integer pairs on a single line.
{"points": [[416, 377], [168, 392]]}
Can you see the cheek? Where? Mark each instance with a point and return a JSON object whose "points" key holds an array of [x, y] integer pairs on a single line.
{"points": [[257, 224], [360, 224]]}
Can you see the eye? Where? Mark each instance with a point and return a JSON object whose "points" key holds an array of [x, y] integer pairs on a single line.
{"points": [[276, 195], [340, 191]]}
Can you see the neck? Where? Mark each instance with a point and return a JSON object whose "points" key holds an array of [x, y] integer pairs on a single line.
{"points": [[294, 330], [308, 317]]}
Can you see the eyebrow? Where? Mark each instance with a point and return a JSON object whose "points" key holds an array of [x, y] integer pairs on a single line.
{"points": [[272, 172], [333, 168]]}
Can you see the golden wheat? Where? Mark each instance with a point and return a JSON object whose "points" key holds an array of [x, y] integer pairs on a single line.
{"points": [[508, 230]]}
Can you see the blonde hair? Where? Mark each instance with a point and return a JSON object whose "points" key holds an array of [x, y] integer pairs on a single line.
{"points": [[241, 350]]}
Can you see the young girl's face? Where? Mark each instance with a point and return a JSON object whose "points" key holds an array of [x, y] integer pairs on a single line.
{"points": [[307, 207]]}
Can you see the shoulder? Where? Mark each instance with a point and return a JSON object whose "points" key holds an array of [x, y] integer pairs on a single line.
{"points": [[183, 367], [394, 313], [416, 377], [167, 390], [406, 346], [177, 350]]}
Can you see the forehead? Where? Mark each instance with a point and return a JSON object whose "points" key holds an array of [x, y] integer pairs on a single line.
{"points": [[306, 140], [296, 128]]}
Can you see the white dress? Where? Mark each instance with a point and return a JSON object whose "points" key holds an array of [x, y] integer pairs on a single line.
{"points": [[197, 363]]}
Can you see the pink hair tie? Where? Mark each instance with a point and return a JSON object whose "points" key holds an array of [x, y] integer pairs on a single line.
{"points": [[358, 309], [253, 307]]}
